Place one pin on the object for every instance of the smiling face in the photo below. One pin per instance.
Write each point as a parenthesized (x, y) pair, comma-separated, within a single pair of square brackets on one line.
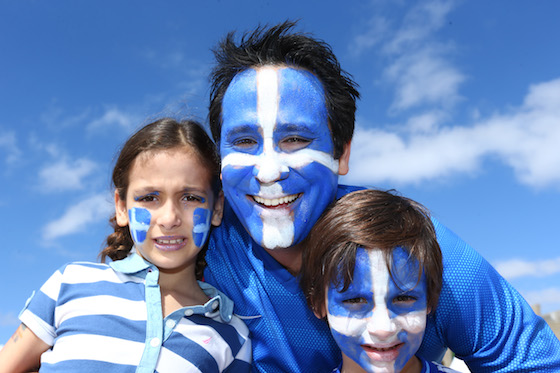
[(378, 325), (169, 207), (278, 170)]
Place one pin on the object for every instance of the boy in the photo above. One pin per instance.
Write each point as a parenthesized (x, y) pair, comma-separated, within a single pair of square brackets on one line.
[(373, 266)]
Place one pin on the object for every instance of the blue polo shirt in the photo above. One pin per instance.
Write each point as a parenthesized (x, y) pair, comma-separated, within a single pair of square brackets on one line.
[(98, 316), (480, 316)]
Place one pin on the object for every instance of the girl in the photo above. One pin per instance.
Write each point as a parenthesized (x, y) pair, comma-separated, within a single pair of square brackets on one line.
[(144, 311)]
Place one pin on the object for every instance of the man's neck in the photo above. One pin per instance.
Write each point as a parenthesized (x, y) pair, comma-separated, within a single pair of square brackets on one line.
[(289, 257)]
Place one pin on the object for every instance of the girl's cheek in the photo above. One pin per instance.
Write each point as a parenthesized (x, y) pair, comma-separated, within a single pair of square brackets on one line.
[(201, 225), (139, 223)]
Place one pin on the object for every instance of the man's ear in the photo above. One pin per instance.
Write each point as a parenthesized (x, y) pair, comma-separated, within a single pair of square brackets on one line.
[(344, 159), (218, 210), (120, 211)]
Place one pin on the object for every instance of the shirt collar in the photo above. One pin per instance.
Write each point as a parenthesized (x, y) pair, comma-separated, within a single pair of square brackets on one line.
[(133, 263)]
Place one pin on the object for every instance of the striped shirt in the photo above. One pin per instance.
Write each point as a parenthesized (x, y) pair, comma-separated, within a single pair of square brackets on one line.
[(101, 317)]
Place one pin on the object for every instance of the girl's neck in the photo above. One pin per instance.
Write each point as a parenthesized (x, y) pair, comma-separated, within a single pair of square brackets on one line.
[(179, 289)]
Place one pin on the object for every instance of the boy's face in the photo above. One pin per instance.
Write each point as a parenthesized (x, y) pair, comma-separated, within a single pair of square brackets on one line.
[(377, 322), (278, 170)]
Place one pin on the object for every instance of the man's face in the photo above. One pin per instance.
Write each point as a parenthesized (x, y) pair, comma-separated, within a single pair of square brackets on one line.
[(278, 170)]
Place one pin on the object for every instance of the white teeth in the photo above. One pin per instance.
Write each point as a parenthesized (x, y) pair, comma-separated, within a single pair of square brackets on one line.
[(170, 242), (275, 201)]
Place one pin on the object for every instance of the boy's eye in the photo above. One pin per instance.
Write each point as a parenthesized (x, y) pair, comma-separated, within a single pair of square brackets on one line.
[(358, 300), (404, 299)]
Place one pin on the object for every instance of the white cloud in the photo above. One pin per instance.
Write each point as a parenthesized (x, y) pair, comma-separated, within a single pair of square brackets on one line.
[(78, 217), (115, 117), (515, 268), (423, 77), (8, 143), (66, 175), (548, 298), (525, 139), (418, 69)]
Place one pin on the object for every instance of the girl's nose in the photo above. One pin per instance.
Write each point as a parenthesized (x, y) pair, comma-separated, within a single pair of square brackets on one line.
[(170, 216)]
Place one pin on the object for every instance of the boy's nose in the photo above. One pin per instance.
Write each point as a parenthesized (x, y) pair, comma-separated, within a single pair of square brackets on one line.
[(380, 325)]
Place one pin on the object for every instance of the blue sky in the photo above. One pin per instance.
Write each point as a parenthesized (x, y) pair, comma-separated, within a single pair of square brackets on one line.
[(460, 110)]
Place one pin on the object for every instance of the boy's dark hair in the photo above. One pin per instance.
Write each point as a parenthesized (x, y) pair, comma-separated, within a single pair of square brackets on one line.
[(163, 134), (371, 219), (278, 46)]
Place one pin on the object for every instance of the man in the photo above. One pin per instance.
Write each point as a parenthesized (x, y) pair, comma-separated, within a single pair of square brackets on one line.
[(282, 112)]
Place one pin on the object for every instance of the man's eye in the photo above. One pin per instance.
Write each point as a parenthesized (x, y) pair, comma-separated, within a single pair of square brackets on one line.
[(244, 143), (294, 143)]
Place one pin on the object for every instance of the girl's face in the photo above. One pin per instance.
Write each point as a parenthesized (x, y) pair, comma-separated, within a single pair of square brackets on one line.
[(379, 322), (169, 207)]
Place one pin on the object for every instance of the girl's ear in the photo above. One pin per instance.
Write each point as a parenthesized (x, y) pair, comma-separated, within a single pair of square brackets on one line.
[(218, 210), (120, 211)]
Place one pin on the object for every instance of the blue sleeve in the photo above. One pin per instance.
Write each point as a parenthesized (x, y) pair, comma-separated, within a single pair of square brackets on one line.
[(483, 319)]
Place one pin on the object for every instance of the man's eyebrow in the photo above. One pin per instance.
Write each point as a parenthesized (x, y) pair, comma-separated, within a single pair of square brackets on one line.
[(243, 128)]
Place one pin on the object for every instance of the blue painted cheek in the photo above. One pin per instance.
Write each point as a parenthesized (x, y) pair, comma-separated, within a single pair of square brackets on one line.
[(139, 223), (238, 182), (201, 225), (351, 347)]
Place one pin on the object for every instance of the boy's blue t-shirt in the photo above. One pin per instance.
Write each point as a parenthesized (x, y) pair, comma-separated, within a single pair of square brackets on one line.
[(480, 316)]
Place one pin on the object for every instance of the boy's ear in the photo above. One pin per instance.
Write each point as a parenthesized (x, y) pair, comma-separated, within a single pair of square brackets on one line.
[(120, 211), (344, 159), (218, 210)]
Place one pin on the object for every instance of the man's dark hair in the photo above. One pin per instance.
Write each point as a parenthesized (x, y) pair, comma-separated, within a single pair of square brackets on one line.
[(277, 45)]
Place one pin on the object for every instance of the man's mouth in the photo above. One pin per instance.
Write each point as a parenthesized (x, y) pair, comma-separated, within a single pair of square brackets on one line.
[(276, 202)]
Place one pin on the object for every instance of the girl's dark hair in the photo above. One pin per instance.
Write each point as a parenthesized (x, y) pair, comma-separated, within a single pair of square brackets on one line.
[(279, 45), (163, 134), (375, 220)]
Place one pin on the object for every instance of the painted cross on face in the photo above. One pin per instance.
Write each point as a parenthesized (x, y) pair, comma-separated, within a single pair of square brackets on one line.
[(379, 322), (278, 169)]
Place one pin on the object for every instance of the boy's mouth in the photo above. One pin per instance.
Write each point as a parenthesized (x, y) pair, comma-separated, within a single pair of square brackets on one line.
[(389, 353)]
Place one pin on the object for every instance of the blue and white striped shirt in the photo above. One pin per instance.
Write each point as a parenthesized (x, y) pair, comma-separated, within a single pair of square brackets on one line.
[(108, 317)]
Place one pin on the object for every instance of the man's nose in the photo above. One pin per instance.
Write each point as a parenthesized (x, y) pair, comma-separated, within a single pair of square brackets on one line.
[(271, 167)]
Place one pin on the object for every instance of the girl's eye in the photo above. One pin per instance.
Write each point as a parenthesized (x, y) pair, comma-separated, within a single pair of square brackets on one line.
[(146, 198), (193, 198)]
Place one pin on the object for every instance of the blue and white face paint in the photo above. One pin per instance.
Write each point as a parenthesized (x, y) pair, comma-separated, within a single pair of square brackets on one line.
[(139, 223), (377, 323), (278, 170), (201, 225)]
